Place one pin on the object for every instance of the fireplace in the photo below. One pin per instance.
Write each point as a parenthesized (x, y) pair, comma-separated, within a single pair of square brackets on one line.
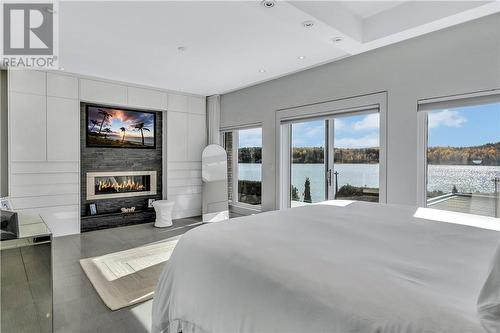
[(106, 185)]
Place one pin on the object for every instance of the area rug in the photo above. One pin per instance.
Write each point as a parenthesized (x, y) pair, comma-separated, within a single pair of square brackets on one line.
[(128, 277)]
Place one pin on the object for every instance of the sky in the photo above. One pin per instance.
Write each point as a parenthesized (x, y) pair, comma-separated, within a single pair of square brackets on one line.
[(250, 137), (122, 118), (361, 131), (458, 127), (466, 126)]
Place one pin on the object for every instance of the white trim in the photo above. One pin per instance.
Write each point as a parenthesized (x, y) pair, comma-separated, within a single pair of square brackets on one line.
[(422, 159), (240, 127), (284, 151), (475, 98), (234, 155), (91, 187), (325, 114), (327, 110), (330, 143)]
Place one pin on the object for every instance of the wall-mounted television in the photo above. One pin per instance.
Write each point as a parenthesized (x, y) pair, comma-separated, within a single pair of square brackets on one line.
[(111, 127)]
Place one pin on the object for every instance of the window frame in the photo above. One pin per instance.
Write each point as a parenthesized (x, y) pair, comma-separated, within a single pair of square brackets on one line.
[(326, 110), (240, 207), (424, 106)]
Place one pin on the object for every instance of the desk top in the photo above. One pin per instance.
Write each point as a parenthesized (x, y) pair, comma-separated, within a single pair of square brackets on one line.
[(30, 227)]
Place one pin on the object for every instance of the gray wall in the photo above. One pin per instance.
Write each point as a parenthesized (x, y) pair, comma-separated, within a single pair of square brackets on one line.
[(457, 60), (4, 188)]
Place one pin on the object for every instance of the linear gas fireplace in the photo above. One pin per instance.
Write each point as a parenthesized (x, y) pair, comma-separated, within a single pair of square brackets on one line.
[(106, 185)]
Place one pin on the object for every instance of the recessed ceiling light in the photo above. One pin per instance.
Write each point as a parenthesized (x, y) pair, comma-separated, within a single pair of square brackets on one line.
[(181, 48), (308, 24), (262, 70), (337, 39), (301, 57), (268, 3)]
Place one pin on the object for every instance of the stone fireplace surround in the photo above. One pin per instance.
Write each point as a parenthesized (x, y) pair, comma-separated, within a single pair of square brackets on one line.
[(122, 160)]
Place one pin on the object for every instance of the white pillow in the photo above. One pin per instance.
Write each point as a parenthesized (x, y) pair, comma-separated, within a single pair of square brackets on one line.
[(488, 304)]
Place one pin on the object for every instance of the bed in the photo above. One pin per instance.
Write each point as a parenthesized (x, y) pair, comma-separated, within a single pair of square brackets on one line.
[(331, 267)]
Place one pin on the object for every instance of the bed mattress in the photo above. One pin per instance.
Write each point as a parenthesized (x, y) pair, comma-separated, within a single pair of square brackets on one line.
[(324, 268)]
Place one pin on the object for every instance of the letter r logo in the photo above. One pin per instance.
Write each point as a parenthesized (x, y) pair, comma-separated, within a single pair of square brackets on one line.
[(28, 29)]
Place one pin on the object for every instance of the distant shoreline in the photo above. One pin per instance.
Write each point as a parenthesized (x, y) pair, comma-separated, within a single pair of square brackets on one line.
[(483, 155)]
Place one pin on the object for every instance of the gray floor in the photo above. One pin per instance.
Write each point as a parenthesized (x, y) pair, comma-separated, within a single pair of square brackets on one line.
[(77, 306), (25, 289)]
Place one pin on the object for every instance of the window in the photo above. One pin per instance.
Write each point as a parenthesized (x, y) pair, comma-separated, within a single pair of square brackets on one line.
[(244, 151), (356, 149), (462, 171), (334, 157), (307, 171)]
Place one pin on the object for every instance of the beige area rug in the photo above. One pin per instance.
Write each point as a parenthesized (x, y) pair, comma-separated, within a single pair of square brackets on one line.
[(128, 277)]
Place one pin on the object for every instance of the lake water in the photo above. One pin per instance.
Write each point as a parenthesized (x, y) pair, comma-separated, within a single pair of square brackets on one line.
[(467, 178)]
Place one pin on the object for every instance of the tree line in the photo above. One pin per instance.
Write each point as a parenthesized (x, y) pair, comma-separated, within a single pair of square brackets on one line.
[(250, 155), (487, 154), (314, 155), (311, 155)]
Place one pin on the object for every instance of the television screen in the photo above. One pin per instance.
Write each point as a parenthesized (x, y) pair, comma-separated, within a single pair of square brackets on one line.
[(120, 128)]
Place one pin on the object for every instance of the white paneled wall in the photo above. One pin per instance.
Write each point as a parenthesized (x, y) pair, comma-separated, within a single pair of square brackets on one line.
[(186, 138), (103, 92), (44, 149), (44, 142)]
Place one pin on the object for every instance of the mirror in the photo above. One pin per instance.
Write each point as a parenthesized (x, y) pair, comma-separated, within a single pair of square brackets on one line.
[(214, 177)]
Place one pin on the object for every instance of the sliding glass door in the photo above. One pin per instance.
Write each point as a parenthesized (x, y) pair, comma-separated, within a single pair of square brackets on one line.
[(334, 157)]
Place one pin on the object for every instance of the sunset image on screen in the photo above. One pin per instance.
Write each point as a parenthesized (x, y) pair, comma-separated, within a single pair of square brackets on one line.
[(108, 127)]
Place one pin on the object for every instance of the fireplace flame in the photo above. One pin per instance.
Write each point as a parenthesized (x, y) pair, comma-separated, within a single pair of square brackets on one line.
[(126, 185)]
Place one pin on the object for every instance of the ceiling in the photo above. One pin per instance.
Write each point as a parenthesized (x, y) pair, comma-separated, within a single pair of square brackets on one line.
[(364, 9), (211, 47)]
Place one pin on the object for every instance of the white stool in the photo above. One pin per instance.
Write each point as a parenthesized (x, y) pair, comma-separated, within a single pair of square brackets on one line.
[(163, 209)]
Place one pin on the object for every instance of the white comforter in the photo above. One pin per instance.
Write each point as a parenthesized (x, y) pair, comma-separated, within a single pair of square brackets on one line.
[(321, 268)]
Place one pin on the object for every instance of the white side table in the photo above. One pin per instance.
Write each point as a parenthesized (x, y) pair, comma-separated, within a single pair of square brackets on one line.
[(163, 209)]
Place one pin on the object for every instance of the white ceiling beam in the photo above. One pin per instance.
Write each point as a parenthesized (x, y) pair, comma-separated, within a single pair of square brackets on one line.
[(336, 21), (413, 14), (334, 15), (441, 23)]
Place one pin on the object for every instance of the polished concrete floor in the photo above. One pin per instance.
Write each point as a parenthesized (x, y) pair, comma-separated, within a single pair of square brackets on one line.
[(77, 306), (26, 289)]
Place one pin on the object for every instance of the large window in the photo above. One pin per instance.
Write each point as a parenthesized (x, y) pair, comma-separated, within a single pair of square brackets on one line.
[(334, 157), (463, 158), (244, 150)]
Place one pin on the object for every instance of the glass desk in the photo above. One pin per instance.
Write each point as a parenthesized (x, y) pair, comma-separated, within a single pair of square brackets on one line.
[(26, 278)]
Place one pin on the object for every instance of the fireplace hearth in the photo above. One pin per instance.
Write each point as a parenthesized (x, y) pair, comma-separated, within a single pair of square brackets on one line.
[(106, 185)]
